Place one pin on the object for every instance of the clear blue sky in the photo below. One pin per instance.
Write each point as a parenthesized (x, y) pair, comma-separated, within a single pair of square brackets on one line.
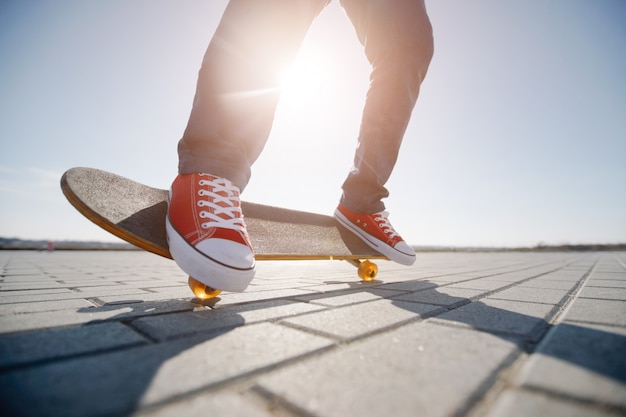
[(519, 135)]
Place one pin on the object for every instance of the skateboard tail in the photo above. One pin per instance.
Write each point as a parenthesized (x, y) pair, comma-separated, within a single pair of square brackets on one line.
[(71, 182)]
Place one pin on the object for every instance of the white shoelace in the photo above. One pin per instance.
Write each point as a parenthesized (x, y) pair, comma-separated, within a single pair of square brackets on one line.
[(223, 202), (383, 223)]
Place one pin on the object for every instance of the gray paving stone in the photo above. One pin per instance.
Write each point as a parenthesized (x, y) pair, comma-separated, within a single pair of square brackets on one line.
[(295, 283), (419, 369), (524, 404), (123, 278), (117, 383), (169, 326), (517, 318), (108, 290), (442, 296), (43, 320), (227, 298), (20, 279), (603, 293), (21, 308), (69, 295), (344, 298), (335, 286), (347, 323), (591, 311), (413, 285), (152, 283), (11, 296), (144, 296), (531, 295), (547, 283), (21, 286), (566, 275), (24, 348), (520, 275), (580, 361), (482, 284), (607, 283), (180, 288), (232, 404), (100, 282), (598, 274), (447, 279)]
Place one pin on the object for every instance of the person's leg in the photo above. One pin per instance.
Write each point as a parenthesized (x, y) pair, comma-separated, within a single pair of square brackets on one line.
[(398, 42), (233, 110), (239, 85)]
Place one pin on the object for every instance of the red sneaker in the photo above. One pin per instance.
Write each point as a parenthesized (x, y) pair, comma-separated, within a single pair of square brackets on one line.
[(207, 234), (376, 231)]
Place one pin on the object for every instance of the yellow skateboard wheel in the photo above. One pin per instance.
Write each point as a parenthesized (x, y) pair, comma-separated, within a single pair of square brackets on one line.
[(367, 271), (202, 291)]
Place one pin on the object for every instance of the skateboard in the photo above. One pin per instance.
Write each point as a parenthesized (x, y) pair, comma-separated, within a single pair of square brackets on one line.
[(136, 213)]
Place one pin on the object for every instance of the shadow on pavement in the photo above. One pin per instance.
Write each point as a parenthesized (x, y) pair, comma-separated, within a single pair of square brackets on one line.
[(108, 383), (115, 382)]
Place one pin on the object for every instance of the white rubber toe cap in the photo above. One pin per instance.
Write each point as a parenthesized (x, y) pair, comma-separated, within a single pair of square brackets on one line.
[(405, 254), (231, 254)]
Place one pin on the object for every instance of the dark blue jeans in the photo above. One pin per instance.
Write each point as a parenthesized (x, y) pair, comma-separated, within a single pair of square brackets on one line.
[(238, 87)]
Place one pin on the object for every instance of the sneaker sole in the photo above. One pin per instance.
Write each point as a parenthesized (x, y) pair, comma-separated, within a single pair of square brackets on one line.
[(205, 269), (376, 244)]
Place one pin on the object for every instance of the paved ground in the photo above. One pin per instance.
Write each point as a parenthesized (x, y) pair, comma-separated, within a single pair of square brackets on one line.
[(469, 334)]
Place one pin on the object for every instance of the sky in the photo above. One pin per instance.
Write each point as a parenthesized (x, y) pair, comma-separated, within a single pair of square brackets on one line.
[(518, 137)]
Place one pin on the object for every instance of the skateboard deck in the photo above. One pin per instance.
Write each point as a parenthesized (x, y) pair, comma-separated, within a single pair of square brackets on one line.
[(136, 213)]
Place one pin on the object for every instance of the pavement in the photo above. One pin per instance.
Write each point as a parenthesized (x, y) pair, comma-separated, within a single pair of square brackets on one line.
[(495, 334)]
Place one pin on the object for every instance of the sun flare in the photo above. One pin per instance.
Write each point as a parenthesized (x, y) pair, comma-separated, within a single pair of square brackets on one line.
[(302, 81)]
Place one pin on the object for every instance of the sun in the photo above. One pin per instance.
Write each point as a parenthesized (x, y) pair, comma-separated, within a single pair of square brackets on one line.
[(303, 80)]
